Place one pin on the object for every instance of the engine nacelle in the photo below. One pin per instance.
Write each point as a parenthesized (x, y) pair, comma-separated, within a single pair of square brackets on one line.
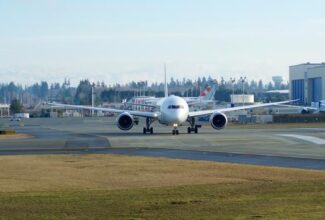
[(218, 120), (125, 121), (305, 111)]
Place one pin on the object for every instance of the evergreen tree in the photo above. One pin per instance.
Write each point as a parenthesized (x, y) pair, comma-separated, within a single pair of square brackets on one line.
[(83, 93), (16, 106), (44, 89), (260, 86)]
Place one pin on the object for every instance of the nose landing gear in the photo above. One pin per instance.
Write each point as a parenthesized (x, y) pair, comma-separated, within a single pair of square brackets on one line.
[(175, 130)]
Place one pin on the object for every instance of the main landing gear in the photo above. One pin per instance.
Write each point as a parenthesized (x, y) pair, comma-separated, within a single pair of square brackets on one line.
[(193, 127), (148, 129)]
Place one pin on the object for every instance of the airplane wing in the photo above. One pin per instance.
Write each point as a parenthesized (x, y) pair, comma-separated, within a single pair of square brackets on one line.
[(144, 105), (199, 102), (301, 107), (135, 113), (223, 110)]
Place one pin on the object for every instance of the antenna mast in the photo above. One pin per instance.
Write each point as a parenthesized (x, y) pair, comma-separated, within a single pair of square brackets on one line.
[(166, 88)]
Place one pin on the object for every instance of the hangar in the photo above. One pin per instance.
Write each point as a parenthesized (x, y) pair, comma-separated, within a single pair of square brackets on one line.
[(307, 82)]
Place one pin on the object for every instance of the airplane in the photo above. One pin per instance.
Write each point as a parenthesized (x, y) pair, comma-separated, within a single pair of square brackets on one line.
[(171, 111), (174, 111)]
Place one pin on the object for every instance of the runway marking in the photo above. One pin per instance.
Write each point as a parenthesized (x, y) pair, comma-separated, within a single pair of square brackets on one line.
[(311, 139), (312, 129)]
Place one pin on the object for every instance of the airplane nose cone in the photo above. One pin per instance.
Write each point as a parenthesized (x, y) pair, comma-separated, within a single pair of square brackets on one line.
[(178, 117)]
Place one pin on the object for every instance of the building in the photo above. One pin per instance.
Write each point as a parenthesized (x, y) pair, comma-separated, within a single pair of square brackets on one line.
[(242, 99), (4, 110), (277, 80), (307, 82)]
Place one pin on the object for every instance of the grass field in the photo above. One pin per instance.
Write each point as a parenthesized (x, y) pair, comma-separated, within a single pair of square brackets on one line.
[(121, 187)]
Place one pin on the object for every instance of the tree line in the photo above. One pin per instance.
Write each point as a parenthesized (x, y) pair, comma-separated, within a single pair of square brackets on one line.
[(31, 95)]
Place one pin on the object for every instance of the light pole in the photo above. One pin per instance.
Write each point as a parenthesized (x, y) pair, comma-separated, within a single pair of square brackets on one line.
[(242, 79), (92, 98), (233, 80)]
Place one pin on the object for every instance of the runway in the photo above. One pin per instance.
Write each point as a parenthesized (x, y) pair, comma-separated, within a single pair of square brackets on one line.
[(294, 147)]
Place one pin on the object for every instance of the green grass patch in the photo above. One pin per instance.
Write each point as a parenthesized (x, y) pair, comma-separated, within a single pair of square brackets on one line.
[(258, 200)]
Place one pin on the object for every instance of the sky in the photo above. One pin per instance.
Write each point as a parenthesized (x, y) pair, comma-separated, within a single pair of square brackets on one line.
[(119, 41)]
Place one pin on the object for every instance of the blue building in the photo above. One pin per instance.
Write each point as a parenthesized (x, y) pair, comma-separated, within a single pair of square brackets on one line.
[(307, 82)]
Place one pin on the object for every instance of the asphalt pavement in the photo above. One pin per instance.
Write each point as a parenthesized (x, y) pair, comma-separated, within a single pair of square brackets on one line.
[(294, 147)]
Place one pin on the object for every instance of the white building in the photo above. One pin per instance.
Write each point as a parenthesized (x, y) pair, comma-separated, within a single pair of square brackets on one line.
[(242, 99), (307, 82), (4, 110)]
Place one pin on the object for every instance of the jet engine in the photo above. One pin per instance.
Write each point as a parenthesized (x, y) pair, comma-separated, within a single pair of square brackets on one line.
[(125, 121), (218, 120), (304, 111)]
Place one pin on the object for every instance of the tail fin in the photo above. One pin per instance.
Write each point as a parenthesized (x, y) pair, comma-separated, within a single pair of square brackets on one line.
[(166, 87), (205, 92), (209, 92)]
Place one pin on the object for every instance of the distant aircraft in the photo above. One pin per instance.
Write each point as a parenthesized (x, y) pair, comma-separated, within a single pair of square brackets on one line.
[(303, 109), (171, 111), (206, 96)]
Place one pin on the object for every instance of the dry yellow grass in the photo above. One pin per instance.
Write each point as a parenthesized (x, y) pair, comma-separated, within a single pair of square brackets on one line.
[(109, 172), (122, 187), (14, 136)]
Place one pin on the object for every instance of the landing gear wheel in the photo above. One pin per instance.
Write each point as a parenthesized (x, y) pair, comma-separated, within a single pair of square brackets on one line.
[(148, 129), (177, 132), (193, 127), (173, 132)]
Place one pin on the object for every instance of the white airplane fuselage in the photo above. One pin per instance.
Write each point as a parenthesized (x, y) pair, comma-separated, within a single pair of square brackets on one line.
[(174, 111)]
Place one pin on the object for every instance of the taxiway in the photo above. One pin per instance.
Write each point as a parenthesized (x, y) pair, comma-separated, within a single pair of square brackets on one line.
[(286, 147)]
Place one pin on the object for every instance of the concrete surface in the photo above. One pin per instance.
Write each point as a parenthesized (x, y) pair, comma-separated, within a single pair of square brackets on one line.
[(294, 147)]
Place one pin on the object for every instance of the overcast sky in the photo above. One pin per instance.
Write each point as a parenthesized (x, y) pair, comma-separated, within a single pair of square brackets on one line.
[(118, 41)]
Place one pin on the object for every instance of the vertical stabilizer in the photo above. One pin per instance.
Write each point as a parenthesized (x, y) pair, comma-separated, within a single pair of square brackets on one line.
[(211, 92), (166, 88)]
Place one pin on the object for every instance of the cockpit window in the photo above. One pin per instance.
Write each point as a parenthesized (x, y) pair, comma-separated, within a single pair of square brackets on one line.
[(175, 107)]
